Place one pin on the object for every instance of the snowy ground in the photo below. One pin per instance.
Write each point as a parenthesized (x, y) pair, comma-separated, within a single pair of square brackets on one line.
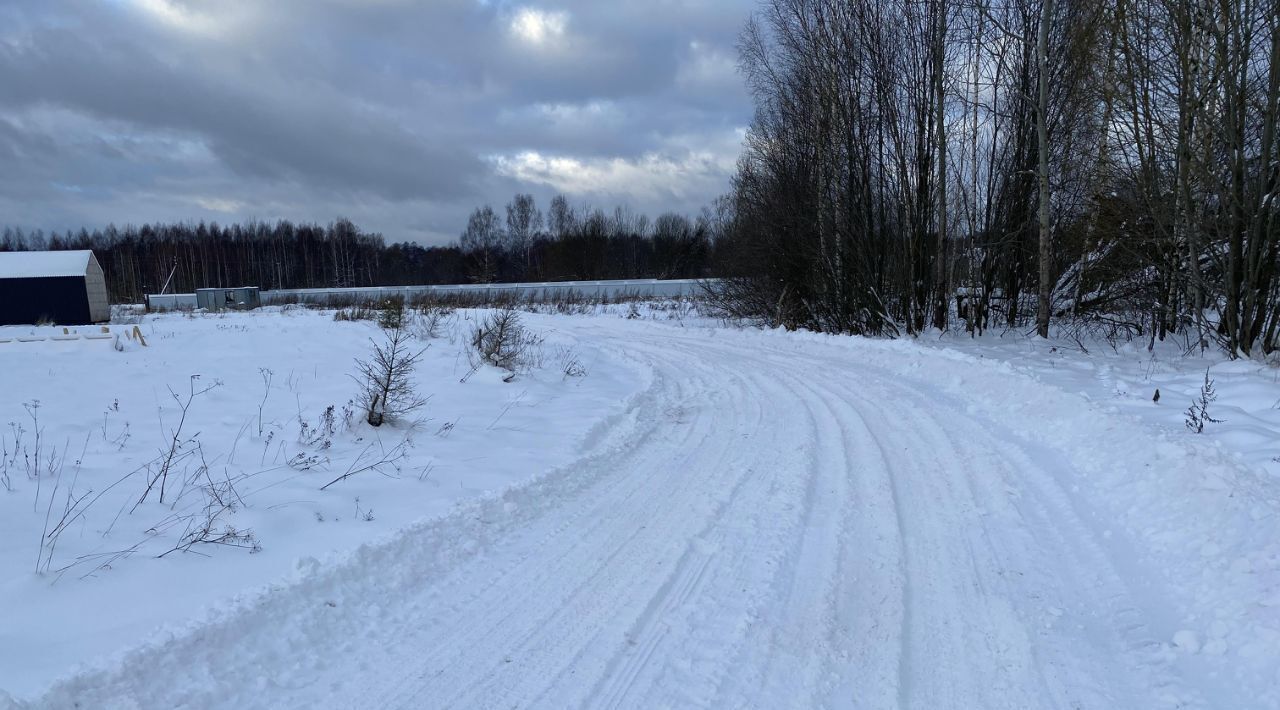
[(710, 518), (1124, 377), (110, 415)]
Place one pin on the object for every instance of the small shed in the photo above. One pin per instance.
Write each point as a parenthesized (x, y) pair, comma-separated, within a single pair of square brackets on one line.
[(61, 287), (238, 298)]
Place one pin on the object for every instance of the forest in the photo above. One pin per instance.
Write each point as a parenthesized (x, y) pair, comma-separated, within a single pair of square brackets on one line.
[(569, 244), (1106, 166)]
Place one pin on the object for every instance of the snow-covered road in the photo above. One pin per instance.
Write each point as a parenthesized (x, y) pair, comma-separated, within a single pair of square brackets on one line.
[(768, 525)]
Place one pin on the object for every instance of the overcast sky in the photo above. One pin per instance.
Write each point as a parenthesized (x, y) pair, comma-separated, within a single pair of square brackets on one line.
[(399, 114)]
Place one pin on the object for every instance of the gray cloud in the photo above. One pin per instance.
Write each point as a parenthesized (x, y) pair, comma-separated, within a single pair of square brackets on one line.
[(402, 115)]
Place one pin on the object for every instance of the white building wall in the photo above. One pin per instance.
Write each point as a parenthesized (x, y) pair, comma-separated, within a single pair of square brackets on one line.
[(96, 285)]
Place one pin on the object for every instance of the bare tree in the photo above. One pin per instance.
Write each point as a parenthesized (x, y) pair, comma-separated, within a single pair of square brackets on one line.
[(560, 219), (483, 239), (524, 221)]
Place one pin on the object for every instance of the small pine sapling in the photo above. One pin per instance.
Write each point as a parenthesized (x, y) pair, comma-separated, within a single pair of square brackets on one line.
[(386, 378), (501, 340), (391, 316)]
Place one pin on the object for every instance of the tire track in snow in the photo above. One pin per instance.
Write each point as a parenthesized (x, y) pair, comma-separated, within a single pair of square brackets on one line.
[(764, 584), (606, 592), (1050, 671), (1095, 576), (795, 664), (744, 554), (538, 577), (782, 527)]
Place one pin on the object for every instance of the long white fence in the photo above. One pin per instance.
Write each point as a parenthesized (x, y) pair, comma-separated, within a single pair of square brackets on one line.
[(170, 301), (543, 291)]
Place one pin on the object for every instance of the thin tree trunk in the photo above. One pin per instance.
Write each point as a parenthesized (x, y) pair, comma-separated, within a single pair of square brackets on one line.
[(940, 252), (1042, 172)]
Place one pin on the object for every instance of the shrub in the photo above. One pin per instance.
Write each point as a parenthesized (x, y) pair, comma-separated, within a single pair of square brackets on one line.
[(353, 313), (1197, 414), (432, 320), (502, 340), (570, 363)]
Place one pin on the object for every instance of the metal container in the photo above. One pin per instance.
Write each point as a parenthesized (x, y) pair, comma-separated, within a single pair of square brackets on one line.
[(239, 298)]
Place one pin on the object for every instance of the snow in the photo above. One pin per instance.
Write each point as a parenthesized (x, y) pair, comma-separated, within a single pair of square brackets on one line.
[(43, 264), (1126, 376), (1187, 640), (109, 405), (712, 517)]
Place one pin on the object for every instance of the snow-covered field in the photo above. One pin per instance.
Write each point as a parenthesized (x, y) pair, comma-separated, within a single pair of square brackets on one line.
[(107, 419), (710, 517)]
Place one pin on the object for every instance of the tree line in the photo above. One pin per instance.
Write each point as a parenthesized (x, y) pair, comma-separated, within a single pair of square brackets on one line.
[(569, 244), (1103, 164), (1090, 165), (524, 244)]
